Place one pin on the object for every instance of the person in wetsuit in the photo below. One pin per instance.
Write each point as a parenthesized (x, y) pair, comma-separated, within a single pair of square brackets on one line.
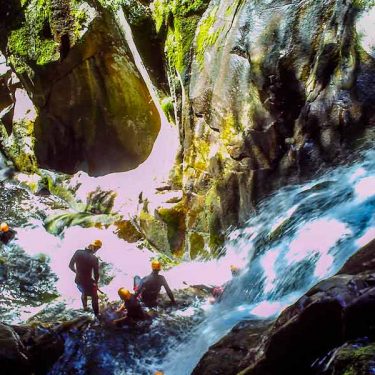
[(86, 266), (132, 306), (149, 287), (6, 234)]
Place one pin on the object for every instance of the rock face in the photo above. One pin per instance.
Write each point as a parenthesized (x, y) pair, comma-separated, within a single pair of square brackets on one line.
[(34, 349), (12, 353), (273, 90), (95, 111), (17, 119), (336, 317)]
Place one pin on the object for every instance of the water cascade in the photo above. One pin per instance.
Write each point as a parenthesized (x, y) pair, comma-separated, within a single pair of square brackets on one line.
[(300, 236)]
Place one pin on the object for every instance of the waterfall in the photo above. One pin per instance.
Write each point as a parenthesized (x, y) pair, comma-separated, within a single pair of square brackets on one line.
[(301, 235)]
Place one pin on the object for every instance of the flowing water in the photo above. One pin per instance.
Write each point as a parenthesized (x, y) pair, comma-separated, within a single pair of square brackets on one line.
[(300, 236)]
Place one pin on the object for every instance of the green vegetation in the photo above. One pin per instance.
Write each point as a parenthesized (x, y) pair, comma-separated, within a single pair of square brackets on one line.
[(33, 41), (179, 19), (37, 38), (168, 108), (355, 360), (112, 4), (207, 35), (363, 4)]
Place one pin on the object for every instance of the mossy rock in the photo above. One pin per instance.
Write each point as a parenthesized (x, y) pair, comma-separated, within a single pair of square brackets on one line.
[(176, 227), (197, 245), (155, 231), (127, 231), (57, 223), (354, 360)]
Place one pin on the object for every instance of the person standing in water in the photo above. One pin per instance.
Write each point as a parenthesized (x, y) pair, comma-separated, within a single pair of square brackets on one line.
[(85, 265), (149, 287)]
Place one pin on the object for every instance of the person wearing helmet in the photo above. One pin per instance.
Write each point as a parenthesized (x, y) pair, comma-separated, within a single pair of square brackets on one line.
[(218, 291), (85, 265), (132, 306), (235, 271), (150, 286), (6, 234)]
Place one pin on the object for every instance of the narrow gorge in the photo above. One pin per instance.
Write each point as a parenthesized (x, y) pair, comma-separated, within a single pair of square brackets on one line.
[(206, 134)]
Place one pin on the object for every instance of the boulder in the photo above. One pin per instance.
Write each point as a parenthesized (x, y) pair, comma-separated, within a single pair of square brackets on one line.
[(95, 112), (13, 354)]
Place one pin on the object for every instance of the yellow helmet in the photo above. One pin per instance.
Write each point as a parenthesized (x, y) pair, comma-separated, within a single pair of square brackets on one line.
[(4, 227), (97, 244), (155, 265), (124, 293), (234, 269)]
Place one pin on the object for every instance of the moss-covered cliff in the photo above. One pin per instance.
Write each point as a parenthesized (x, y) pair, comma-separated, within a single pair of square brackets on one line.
[(274, 91)]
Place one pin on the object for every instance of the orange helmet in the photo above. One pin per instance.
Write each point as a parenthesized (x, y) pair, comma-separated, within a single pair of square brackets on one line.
[(97, 244), (124, 293), (155, 265), (4, 227), (159, 373)]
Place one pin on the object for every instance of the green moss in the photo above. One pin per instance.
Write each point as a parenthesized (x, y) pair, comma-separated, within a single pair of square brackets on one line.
[(180, 19), (31, 41), (112, 4), (168, 108), (57, 223), (197, 244), (206, 35), (352, 360), (363, 4), (231, 8), (176, 227)]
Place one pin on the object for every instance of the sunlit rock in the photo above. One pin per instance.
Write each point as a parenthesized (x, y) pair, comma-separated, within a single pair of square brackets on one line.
[(273, 91)]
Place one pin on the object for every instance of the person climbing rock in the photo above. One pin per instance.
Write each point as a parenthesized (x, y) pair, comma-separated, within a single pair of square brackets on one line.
[(134, 311), (6, 234), (218, 291), (86, 267), (149, 287), (235, 271)]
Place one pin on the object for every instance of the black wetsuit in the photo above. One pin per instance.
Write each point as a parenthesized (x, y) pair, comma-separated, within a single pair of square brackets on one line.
[(5, 237), (85, 264), (150, 286), (134, 309)]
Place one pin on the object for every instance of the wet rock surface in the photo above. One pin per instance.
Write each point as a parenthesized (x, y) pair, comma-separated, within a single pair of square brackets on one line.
[(34, 349), (275, 91), (331, 316)]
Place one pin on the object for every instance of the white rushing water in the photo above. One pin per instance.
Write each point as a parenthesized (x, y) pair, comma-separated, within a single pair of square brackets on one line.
[(301, 235)]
